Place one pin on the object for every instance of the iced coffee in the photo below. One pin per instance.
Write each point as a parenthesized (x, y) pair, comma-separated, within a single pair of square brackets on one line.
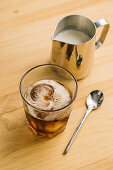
[(47, 104)]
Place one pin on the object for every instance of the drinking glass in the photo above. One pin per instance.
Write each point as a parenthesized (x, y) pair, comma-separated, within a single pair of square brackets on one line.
[(57, 118)]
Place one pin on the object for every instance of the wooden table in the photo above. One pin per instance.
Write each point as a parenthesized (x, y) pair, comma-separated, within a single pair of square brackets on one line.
[(26, 27)]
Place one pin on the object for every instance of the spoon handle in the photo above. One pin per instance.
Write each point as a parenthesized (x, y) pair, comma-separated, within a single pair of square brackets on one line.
[(76, 131)]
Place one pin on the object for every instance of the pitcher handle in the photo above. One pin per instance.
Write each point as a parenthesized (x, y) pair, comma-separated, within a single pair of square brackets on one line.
[(101, 22)]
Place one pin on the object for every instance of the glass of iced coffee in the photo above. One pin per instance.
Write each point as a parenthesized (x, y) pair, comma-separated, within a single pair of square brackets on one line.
[(48, 92)]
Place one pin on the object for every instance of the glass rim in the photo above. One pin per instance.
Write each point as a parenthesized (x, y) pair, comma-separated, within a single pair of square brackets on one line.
[(20, 87)]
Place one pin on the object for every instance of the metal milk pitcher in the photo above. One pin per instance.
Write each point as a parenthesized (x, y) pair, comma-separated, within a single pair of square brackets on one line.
[(77, 57)]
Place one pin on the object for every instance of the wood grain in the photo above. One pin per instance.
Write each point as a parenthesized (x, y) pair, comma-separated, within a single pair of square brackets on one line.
[(26, 27)]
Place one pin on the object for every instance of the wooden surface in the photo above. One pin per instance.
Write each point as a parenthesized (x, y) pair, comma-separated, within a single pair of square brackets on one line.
[(26, 27)]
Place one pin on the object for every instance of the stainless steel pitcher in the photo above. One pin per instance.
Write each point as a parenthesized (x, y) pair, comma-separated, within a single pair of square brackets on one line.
[(77, 58)]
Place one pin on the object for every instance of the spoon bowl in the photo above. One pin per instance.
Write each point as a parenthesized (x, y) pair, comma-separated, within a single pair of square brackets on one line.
[(95, 99)]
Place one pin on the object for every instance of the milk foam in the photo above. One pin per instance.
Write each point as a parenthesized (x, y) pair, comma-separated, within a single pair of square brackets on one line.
[(72, 37), (60, 96)]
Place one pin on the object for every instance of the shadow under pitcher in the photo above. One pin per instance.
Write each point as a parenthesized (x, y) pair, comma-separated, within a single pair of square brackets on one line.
[(74, 43)]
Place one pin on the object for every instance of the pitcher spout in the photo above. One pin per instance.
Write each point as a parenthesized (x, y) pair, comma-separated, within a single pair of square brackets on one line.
[(62, 25)]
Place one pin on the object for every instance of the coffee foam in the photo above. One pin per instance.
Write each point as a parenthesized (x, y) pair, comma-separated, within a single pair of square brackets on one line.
[(58, 98)]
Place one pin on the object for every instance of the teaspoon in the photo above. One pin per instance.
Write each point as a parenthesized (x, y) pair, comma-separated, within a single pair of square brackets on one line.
[(94, 100)]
